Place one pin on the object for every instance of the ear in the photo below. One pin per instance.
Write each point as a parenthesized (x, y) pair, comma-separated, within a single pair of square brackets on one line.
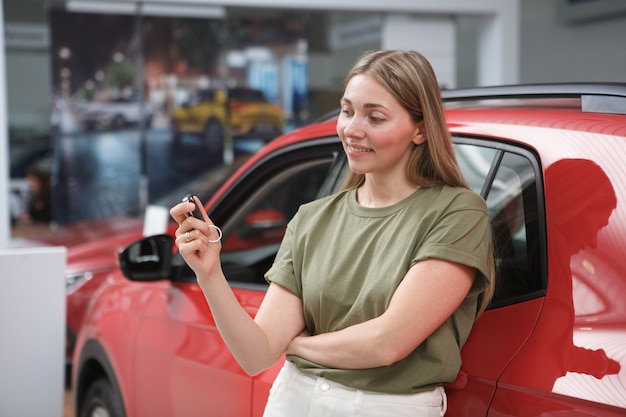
[(419, 136)]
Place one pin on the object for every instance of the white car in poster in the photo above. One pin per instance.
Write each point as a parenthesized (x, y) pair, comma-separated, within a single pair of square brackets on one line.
[(116, 114)]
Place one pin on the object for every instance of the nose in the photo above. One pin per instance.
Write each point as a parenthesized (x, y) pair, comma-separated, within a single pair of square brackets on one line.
[(352, 127)]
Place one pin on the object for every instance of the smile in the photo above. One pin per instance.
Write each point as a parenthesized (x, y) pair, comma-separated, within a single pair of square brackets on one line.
[(354, 149)]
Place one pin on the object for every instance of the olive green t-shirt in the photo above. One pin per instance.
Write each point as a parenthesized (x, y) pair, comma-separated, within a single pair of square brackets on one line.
[(345, 261)]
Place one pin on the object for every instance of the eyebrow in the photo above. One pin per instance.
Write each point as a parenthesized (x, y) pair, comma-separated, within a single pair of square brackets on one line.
[(367, 105)]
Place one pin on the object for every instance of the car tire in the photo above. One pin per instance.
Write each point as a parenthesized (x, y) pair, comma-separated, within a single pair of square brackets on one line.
[(101, 400), (118, 122), (214, 138)]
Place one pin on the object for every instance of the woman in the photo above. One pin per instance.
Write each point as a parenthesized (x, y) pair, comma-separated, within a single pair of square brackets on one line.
[(374, 289)]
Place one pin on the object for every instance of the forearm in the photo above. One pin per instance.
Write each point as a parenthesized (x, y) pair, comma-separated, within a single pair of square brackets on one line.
[(255, 343), (364, 345), (245, 339), (428, 295)]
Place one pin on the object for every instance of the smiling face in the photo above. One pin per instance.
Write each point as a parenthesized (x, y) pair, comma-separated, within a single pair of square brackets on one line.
[(376, 131)]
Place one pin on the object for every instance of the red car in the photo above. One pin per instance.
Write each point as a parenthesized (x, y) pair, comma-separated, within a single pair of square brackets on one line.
[(549, 162)]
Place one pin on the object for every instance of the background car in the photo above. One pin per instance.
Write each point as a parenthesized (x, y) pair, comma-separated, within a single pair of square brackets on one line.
[(116, 113), (240, 111), (547, 160)]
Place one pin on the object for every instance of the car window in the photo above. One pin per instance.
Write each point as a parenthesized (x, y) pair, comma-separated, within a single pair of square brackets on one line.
[(513, 207), (508, 180), (475, 163), (254, 232), (204, 185), (246, 94), (254, 212)]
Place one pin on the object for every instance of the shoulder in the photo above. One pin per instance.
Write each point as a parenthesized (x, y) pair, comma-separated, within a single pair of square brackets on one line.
[(458, 198), (325, 203), (313, 211)]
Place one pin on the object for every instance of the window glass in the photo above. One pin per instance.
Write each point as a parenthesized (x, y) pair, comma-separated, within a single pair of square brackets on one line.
[(254, 232), (475, 162), (512, 203)]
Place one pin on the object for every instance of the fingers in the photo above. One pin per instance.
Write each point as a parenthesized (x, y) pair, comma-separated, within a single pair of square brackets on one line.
[(193, 232), (178, 212), (201, 207)]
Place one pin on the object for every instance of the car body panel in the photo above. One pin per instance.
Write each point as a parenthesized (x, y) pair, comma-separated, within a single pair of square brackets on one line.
[(586, 373), (183, 339)]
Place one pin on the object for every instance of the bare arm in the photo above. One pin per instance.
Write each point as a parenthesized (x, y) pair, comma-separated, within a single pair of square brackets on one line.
[(427, 296), (255, 343)]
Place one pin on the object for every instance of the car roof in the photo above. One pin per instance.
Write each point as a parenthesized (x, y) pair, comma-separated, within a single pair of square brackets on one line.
[(590, 107)]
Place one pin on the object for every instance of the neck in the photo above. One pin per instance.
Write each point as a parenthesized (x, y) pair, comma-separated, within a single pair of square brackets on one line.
[(375, 195)]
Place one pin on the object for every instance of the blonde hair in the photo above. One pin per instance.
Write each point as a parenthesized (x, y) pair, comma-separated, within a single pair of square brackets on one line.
[(409, 77)]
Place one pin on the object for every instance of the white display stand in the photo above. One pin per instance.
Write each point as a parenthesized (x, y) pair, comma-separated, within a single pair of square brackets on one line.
[(32, 324)]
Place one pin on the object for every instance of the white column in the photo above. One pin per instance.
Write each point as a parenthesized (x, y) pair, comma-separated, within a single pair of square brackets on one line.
[(433, 37), (5, 217), (32, 319), (498, 48)]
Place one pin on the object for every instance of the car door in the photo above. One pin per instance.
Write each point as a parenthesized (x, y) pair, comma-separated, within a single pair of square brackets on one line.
[(507, 177), (179, 333), (573, 363)]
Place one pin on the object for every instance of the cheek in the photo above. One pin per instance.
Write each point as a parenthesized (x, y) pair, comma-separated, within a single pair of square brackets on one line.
[(341, 126), (392, 138)]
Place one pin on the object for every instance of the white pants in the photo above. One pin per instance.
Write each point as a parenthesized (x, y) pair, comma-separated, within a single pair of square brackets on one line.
[(296, 394)]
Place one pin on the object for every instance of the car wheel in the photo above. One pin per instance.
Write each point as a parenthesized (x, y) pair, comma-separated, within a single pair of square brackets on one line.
[(118, 122), (214, 138), (101, 400)]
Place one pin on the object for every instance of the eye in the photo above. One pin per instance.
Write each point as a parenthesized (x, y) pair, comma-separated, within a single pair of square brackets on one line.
[(346, 112), (377, 117)]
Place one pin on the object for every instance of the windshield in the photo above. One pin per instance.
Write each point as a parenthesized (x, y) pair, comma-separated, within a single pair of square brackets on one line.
[(204, 186)]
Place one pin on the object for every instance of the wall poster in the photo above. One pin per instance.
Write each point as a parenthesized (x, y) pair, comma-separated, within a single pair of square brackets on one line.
[(165, 99)]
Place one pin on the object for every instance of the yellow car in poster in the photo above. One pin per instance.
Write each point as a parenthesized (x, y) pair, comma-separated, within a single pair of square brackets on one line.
[(241, 111)]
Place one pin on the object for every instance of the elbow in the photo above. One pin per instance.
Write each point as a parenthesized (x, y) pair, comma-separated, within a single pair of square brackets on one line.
[(252, 369), (255, 367), (391, 351), (390, 356)]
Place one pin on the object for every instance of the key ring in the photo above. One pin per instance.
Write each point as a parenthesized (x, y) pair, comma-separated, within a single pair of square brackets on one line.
[(219, 232)]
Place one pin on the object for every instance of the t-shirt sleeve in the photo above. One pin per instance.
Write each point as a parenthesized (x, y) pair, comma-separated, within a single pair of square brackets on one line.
[(282, 271), (462, 235)]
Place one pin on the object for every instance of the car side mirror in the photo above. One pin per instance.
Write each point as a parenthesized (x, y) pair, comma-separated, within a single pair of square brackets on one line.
[(148, 259)]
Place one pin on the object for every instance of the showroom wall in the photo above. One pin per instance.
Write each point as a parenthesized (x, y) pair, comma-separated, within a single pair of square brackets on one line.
[(553, 49)]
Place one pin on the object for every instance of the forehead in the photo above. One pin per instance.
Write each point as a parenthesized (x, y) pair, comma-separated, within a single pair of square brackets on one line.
[(364, 90)]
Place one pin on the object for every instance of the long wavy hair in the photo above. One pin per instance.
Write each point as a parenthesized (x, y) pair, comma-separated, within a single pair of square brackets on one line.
[(409, 77)]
